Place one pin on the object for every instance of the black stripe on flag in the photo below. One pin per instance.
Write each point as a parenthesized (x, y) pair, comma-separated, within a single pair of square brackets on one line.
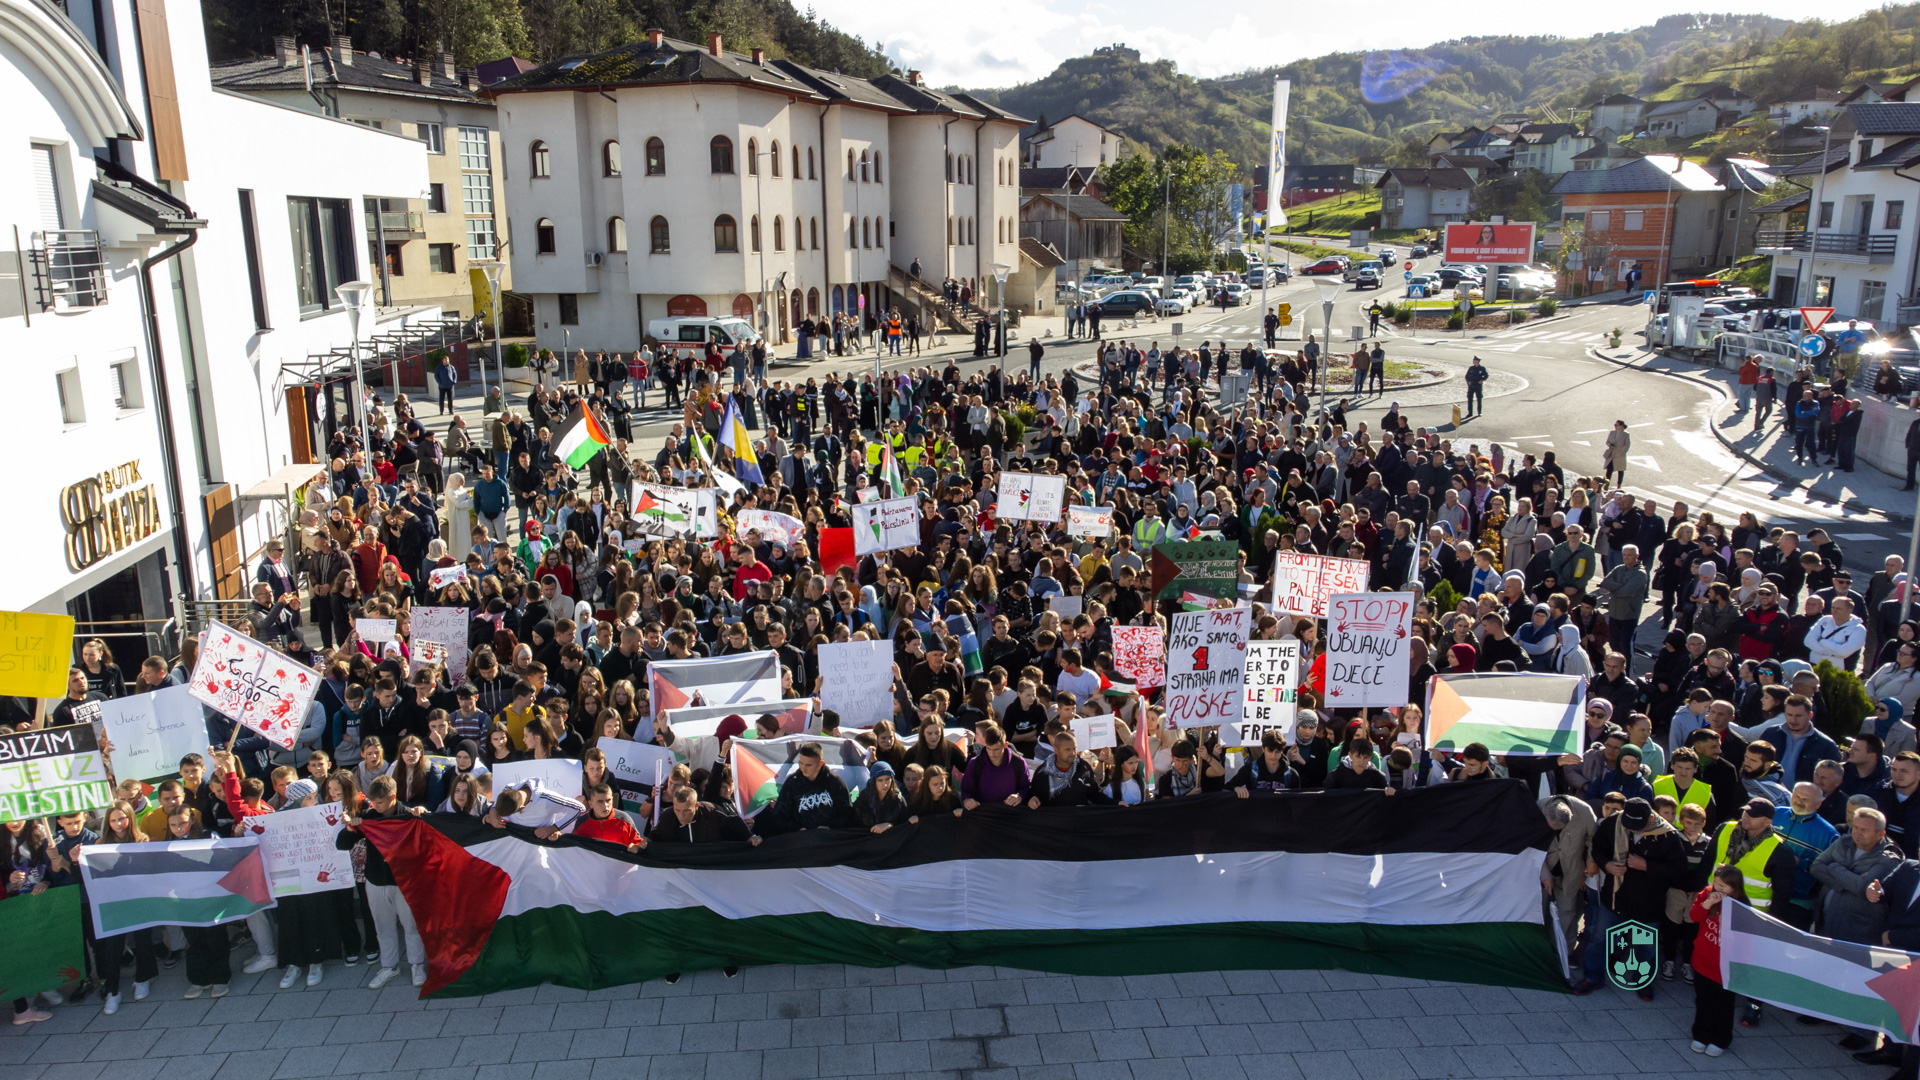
[(1493, 816), (131, 861)]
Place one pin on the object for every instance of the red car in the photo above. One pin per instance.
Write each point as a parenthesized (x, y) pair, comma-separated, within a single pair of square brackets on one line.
[(1324, 266)]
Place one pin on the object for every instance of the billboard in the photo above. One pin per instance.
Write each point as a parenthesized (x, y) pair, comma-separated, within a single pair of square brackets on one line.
[(1480, 242)]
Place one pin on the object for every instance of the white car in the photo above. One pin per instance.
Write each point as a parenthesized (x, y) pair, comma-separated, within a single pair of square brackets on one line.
[(1236, 292), (1173, 305)]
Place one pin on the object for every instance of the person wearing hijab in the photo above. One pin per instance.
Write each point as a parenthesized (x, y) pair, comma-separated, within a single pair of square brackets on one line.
[(1749, 592), (1898, 678), (1896, 733), (1571, 659), (870, 603), (1599, 719), (1539, 639), (1462, 657)]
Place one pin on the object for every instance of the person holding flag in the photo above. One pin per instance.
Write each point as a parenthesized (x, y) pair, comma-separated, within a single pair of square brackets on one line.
[(735, 437)]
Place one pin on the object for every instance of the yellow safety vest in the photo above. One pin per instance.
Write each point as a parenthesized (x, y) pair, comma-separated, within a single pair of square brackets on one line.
[(1146, 533), (1753, 865), (1700, 794)]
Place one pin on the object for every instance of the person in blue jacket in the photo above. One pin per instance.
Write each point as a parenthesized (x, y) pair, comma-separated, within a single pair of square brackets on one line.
[(1624, 778), (1806, 420)]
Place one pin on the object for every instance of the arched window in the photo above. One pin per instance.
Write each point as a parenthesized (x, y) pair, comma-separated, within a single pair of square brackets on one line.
[(796, 161), (753, 230), (853, 233), (753, 157), (813, 233), (779, 234), (949, 230), (813, 303), (796, 164), (726, 234), (662, 243), (616, 234), (852, 173), (972, 237), (656, 157), (971, 178), (543, 236), (878, 177), (720, 155), (866, 233), (542, 161), (865, 175), (799, 236), (880, 233), (610, 159), (949, 168), (773, 157)]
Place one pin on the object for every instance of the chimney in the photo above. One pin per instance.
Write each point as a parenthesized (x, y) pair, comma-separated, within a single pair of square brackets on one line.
[(470, 79), (913, 76), (343, 50), (286, 50), (654, 37), (759, 56), (446, 66), (423, 72), (713, 43)]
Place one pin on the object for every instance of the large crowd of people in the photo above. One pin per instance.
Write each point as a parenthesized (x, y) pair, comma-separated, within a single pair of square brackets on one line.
[(1713, 764)]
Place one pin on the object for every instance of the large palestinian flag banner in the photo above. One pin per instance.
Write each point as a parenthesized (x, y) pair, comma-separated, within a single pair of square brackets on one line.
[(1528, 713), (659, 510), (1862, 986), (741, 679), (1439, 883)]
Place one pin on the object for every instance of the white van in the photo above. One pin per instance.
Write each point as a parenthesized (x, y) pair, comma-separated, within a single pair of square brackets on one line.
[(691, 333)]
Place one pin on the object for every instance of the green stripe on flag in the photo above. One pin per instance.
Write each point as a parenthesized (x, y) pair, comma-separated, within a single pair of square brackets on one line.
[(1507, 739), (1790, 991), (763, 796), (119, 915), (44, 949)]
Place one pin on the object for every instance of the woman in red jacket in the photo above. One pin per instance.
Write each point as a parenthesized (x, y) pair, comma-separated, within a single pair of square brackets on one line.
[(1712, 1002)]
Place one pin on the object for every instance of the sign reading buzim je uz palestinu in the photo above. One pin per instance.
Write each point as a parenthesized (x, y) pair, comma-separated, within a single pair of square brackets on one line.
[(52, 771)]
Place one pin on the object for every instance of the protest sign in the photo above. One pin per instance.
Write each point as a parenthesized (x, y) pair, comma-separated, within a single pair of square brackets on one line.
[(377, 629), (225, 655), (856, 681), (1206, 667), (1094, 732), (636, 768), (1302, 583), (1273, 677), (35, 653), (562, 776), (774, 528), (1030, 497), (1367, 636), (1196, 568), (300, 852), (425, 654), (632, 547), (1139, 653), (262, 689), (448, 626), (694, 727), (1065, 606), (445, 576), (1089, 521), (887, 525), (150, 733), (52, 771), (659, 510)]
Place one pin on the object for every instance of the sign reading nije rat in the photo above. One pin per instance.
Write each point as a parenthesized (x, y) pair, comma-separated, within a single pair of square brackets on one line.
[(1206, 667)]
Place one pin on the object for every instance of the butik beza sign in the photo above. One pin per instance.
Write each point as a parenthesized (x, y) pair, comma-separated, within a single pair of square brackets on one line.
[(106, 513)]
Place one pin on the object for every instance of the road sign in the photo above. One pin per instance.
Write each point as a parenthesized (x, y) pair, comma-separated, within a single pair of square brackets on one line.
[(1812, 346), (1815, 317), (1406, 275), (1286, 320)]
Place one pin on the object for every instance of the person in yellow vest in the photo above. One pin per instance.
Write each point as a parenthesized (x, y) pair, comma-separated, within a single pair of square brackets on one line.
[(1683, 784), (1749, 844), (1148, 531)]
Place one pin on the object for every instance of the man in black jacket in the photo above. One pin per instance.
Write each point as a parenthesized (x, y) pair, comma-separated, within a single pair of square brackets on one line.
[(1721, 776), (1066, 779), (810, 798), (1639, 856), (1615, 685), (695, 822)]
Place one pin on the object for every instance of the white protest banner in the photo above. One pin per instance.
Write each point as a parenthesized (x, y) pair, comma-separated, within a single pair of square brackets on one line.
[(1030, 497), (1089, 521), (1273, 678), (632, 547), (1065, 606), (445, 576), (1367, 636), (52, 771), (1302, 583), (377, 629), (856, 681), (887, 525), (150, 733), (635, 767), (448, 626), (262, 689), (773, 527), (225, 653), (1139, 653), (869, 494), (562, 776), (298, 845), (1094, 732), (426, 653), (659, 510), (1206, 667)]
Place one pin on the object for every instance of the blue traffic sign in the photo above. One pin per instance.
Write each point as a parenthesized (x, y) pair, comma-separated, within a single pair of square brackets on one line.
[(1649, 297), (1812, 346), (1406, 275)]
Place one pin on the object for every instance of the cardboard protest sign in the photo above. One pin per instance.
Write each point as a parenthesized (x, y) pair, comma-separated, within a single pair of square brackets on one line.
[(226, 657), (448, 626), (887, 525), (1367, 636), (377, 629), (150, 733), (659, 510), (636, 768), (1030, 497), (1089, 521), (1065, 606), (1273, 678), (773, 527), (52, 771), (1302, 583), (262, 689), (1094, 732), (299, 848), (426, 654), (562, 776), (35, 652), (1206, 667), (1139, 653), (1196, 568), (445, 576), (856, 681)]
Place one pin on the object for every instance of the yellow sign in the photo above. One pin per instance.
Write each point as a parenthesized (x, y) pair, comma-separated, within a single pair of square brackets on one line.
[(107, 513), (35, 653), (482, 294)]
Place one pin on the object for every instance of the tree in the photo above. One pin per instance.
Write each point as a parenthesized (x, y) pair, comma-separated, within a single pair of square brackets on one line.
[(1179, 195)]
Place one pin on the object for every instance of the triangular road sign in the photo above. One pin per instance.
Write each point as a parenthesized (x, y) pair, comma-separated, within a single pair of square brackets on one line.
[(1815, 317)]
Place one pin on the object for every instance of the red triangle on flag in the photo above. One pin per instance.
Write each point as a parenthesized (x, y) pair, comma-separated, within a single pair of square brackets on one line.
[(456, 897), (836, 549), (666, 695), (646, 503), (249, 880)]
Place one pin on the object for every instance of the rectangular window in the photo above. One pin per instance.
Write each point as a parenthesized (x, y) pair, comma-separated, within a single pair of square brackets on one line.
[(73, 410), (1826, 215), (434, 136), (1873, 299), (436, 198), (395, 265), (440, 258), (480, 239), (324, 255), (476, 193), (1822, 291), (1896, 213), (126, 385), (476, 149), (256, 276), (1633, 220), (1598, 220), (569, 309)]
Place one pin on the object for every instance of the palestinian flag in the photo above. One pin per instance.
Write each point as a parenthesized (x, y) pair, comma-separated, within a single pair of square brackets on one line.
[(696, 739), (760, 766), (890, 471), (1203, 567), (1531, 714), (970, 658), (1437, 883), (741, 679), (44, 947), (581, 438), (1864, 986), (175, 883)]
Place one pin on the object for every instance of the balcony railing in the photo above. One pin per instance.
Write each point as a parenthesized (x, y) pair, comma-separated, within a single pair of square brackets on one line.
[(69, 269), (1872, 247)]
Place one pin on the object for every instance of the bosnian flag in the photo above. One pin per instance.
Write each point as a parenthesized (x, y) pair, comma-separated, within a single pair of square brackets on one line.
[(735, 437), (1439, 883), (174, 883), (742, 679), (581, 438)]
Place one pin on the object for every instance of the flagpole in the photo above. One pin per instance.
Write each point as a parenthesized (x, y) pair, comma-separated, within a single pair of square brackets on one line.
[(1276, 172)]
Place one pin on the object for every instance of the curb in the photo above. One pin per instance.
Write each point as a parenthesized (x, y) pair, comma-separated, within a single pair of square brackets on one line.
[(1092, 372), (1796, 483)]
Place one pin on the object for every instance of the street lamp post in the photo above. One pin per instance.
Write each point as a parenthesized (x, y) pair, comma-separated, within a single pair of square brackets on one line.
[(352, 295), (1329, 289), (1813, 220), (493, 269), (1000, 272)]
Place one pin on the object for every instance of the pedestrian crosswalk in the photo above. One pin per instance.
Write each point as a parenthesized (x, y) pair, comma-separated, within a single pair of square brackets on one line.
[(1769, 505)]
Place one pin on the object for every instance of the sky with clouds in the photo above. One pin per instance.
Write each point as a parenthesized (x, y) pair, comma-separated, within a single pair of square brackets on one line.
[(997, 43)]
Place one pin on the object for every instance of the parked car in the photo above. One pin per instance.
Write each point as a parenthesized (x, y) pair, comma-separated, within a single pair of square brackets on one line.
[(1281, 271), (1333, 264), (1451, 276), (1173, 305), (1187, 281), (1124, 302), (1237, 292)]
